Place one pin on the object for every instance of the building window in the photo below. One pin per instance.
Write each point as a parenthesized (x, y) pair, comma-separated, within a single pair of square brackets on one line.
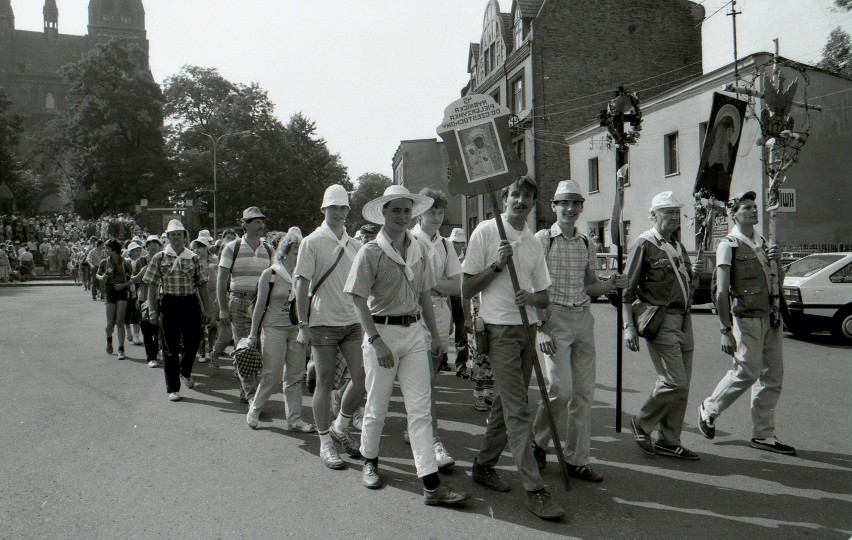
[(518, 101), (670, 149), (471, 225), (518, 29), (49, 102), (594, 180)]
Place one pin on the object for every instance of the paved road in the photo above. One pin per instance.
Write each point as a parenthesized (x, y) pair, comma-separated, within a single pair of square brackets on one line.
[(91, 448)]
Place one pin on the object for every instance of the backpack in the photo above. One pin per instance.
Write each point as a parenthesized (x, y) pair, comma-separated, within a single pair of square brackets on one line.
[(551, 238)]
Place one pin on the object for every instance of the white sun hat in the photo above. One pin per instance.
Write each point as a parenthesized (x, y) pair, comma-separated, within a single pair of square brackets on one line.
[(568, 190), (458, 236), (373, 210), (175, 226), (666, 199), (335, 195)]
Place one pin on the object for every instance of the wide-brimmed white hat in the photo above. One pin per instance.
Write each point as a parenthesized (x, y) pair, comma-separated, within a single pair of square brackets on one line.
[(174, 226), (373, 210), (568, 190), (335, 195), (153, 238), (458, 236), (666, 199), (203, 240)]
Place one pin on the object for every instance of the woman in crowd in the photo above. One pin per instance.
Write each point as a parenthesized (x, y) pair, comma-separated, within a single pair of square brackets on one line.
[(149, 331), (114, 273), (131, 314), (283, 357)]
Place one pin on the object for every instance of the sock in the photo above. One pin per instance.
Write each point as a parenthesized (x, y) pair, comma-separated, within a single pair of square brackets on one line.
[(431, 482), (343, 421), (374, 461), (704, 415), (325, 438)]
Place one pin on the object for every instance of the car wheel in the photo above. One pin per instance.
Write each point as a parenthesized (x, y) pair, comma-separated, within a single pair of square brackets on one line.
[(841, 324), (797, 326)]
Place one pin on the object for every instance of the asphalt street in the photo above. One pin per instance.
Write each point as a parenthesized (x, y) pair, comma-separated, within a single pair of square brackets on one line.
[(92, 448)]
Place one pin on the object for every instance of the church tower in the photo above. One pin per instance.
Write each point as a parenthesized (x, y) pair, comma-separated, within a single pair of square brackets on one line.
[(51, 19), (7, 17), (110, 19)]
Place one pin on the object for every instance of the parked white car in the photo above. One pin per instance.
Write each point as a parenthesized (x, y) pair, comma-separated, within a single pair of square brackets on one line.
[(818, 291)]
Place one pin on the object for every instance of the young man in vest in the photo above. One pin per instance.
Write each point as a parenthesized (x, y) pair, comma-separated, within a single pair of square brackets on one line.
[(510, 419), (391, 283), (447, 272), (327, 322), (754, 342), (566, 333), (242, 272)]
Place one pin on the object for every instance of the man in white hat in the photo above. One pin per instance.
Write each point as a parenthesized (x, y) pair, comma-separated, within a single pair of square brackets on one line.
[(328, 323), (510, 419), (566, 333), (240, 265), (180, 275), (390, 284), (659, 274), (743, 304), (447, 272), (460, 310), (149, 331)]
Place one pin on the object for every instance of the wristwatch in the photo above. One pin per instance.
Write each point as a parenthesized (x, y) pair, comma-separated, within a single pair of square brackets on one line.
[(725, 331), (496, 268), (371, 339), (626, 325)]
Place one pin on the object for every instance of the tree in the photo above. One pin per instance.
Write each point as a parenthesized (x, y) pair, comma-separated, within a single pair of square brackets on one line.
[(844, 4), (370, 186), (113, 135), (10, 129), (837, 53), (283, 169)]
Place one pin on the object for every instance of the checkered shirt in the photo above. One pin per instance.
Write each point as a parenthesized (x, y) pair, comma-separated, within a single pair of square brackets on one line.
[(183, 281), (568, 260)]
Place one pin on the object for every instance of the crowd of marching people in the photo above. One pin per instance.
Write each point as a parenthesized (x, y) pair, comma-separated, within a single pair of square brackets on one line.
[(389, 303)]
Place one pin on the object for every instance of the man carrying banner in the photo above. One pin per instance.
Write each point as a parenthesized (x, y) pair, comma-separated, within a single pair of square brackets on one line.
[(659, 276), (566, 333), (742, 273), (510, 420)]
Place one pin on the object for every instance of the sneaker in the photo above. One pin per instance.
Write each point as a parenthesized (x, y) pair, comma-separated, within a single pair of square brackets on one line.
[(152, 363), (202, 359), (405, 437), (540, 456), (443, 457), (489, 397), (174, 396), (121, 355), (461, 371), (346, 441), (643, 440), (674, 450), (136, 341), (488, 477), (109, 346), (329, 456), (370, 475), (772, 444), (584, 472), (707, 427), (479, 402), (358, 420), (301, 426), (540, 504), (189, 382), (214, 363), (252, 417), (444, 495)]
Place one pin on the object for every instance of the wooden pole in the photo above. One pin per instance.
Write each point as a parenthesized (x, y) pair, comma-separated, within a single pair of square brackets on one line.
[(530, 342), (619, 326)]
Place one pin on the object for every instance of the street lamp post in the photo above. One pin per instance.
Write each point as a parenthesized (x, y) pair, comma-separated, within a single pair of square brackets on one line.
[(216, 141)]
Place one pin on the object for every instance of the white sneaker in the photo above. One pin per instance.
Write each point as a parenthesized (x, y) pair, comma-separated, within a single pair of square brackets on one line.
[(152, 363), (442, 457), (121, 355), (174, 396), (202, 359), (187, 381), (301, 426), (252, 417)]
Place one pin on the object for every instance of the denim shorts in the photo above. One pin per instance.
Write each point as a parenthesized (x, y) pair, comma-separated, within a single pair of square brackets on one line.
[(332, 336)]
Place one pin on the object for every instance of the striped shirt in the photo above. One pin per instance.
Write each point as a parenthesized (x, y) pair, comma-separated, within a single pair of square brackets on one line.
[(248, 267), (177, 280), (569, 258)]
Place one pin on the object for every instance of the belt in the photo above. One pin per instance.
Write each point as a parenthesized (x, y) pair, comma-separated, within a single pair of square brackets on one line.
[(243, 293), (570, 308), (399, 320)]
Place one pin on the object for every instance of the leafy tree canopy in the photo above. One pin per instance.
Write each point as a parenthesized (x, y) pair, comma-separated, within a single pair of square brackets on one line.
[(370, 186), (10, 129), (837, 53)]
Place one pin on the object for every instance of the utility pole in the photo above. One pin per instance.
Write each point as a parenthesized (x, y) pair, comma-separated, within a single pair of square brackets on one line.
[(733, 15)]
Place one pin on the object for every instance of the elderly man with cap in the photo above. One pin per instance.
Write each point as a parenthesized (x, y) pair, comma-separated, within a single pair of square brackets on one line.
[(368, 232), (659, 276), (328, 323), (180, 274), (149, 330), (240, 265), (566, 333), (390, 284), (459, 309), (510, 419), (743, 302)]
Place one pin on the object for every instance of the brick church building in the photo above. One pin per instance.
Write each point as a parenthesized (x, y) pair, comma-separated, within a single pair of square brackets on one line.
[(31, 62)]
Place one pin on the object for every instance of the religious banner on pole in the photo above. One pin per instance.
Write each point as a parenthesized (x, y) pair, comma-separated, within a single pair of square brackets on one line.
[(476, 136), (719, 153)]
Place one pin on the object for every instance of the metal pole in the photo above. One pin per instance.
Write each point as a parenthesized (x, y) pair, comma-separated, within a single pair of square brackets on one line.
[(215, 187), (530, 342), (619, 329)]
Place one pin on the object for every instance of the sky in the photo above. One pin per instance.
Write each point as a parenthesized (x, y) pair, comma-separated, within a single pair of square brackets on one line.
[(371, 73)]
